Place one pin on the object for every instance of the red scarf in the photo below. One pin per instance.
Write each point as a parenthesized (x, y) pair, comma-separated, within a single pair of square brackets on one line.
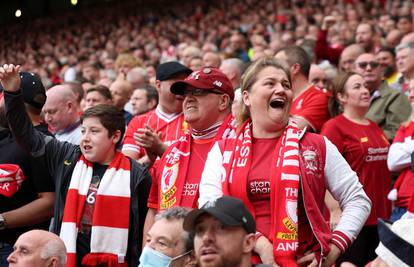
[(176, 165), (284, 187), (110, 222)]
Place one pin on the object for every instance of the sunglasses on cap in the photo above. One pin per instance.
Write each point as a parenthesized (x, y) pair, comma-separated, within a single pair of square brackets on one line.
[(200, 92), (364, 65)]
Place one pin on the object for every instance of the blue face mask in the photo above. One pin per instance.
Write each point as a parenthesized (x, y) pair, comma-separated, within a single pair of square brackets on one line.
[(152, 258)]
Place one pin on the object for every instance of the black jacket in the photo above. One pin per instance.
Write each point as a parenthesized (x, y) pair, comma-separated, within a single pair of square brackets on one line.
[(61, 158)]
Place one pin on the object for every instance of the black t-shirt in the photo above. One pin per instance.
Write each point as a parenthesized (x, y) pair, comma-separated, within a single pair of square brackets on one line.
[(84, 235), (37, 180)]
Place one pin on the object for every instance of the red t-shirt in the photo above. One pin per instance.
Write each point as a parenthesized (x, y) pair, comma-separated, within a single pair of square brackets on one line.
[(312, 105), (198, 156), (171, 128), (258, 181), (365, 148), (406, 188), (259, 189)]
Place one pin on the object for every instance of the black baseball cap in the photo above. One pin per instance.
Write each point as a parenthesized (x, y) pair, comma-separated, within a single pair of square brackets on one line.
[(228, 210), (33, 91), (171, 69)]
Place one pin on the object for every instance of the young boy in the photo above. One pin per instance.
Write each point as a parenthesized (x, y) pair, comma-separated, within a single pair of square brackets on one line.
[(101, 195)]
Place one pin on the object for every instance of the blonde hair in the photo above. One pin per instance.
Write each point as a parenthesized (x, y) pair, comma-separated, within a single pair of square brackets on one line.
[(127, 59), (250, 77)]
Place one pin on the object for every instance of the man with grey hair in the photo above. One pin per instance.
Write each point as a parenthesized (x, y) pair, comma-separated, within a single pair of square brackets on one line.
[(233, 68), (211, 59), (189, 53), (405, 66), (137, 77), (317, 76), (38, 248), (167, 243)]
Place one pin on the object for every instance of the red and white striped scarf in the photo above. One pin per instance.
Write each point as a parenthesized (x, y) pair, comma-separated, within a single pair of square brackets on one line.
[(284, 187), (110, 222), (177, 160)]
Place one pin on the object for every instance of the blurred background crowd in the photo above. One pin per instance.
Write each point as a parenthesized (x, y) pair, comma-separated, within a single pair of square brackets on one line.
[(96, 44)]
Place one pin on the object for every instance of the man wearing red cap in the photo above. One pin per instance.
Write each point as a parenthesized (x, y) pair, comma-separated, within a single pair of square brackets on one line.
[(208, 94)]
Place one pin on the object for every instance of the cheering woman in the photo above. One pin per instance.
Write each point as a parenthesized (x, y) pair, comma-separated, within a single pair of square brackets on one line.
[(282, 174)]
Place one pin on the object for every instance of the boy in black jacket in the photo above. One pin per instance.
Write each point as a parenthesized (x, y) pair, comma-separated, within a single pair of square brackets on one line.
[(101, 195)]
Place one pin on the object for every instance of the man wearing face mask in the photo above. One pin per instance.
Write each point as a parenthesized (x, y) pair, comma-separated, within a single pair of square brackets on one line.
[(167, 243)]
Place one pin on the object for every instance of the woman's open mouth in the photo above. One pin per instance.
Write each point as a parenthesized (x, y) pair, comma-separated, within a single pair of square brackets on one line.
[(277, 103)]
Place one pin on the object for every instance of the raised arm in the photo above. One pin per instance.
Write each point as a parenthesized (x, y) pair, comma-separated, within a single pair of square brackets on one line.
[(19, 121), (33, 141)]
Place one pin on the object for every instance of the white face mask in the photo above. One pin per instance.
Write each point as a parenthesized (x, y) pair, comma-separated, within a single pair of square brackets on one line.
[(152, 258)]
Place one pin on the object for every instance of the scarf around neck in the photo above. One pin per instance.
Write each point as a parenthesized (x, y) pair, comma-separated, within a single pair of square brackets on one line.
[(284, 187), (177, 163), (110, 222)]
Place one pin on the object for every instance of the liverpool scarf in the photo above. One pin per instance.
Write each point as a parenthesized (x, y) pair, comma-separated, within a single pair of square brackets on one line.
[(110, 221), (175, 165), (284, 186)]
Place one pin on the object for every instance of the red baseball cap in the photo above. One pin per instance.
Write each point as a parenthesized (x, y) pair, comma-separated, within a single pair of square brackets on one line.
[(207, 79), (11, 179)]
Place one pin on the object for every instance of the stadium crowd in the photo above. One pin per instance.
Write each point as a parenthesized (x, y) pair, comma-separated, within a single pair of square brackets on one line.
[(209, 133)]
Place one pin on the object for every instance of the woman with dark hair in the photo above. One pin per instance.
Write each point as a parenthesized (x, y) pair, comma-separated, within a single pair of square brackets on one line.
[(365, 147), (281, 174)]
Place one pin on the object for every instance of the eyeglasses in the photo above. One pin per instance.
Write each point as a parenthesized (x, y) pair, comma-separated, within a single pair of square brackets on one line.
[(200, 92), (364, 65)]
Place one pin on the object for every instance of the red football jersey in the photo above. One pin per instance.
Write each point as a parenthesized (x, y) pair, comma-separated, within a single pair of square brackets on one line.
[(312, 105), (365, 148), (259, 182), (172, 127), (199, 151)]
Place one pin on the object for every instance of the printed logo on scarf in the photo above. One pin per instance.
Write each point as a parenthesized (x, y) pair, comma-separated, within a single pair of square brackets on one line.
[(168, 188), (185, 127), (290, 222)]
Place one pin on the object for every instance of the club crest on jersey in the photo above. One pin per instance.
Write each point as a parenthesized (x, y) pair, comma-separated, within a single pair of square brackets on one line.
[(311, 161), (299, 104)]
